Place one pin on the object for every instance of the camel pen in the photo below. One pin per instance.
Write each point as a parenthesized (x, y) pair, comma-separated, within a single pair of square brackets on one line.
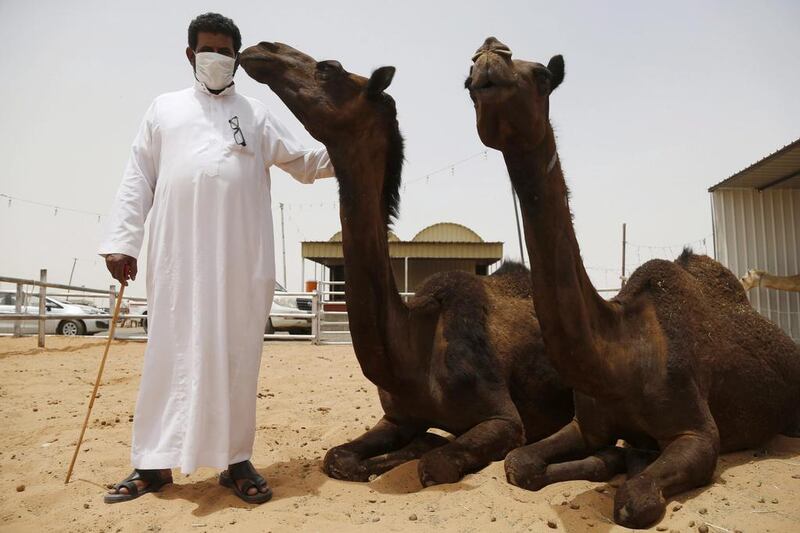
[(97, 381)]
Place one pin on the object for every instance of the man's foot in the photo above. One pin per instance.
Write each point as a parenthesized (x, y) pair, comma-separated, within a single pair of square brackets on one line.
[(139, 482), (246, 482)]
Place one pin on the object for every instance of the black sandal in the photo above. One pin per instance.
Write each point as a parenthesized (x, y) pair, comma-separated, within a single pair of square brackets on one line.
[(154, 484), (249, 478)]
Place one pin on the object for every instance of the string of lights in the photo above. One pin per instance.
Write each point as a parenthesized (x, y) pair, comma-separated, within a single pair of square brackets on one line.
[(695, 243), (451, 167), (55, 208), (334, 204), (646, 252)]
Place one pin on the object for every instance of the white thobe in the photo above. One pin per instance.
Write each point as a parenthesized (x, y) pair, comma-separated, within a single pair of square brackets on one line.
[(210, 269)]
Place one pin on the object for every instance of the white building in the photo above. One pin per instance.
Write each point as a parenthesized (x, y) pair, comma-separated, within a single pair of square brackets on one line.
[(756, 216)]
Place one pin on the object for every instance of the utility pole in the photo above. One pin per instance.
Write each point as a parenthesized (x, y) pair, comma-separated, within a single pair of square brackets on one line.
[(624, 243), (75, 260), (519, 231), (283, 247)]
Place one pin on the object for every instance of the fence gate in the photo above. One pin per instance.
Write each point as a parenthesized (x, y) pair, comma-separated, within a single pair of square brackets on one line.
[(332, 322)]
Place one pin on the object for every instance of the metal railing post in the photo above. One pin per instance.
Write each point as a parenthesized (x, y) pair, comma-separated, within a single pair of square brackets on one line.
[(112, 299), (405, 274), (316, 310), (42, 308), (18, 310)]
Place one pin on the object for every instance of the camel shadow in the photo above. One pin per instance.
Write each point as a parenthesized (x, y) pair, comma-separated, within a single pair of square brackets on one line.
[(594, 506), (288, 479), (780, 447), (404, 479)]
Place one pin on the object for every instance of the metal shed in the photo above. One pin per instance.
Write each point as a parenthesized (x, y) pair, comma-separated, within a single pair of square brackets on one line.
[(756, 217)]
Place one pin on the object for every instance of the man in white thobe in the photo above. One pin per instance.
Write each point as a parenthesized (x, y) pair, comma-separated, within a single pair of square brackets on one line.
[(200, 167)]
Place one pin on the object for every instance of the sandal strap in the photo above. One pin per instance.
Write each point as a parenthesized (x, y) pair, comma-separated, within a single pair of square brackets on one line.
[(246, 470), (151, 477), (246, 485), (133, 489)]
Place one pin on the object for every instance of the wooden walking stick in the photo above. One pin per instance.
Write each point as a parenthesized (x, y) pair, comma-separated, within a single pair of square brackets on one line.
[(97, 381)]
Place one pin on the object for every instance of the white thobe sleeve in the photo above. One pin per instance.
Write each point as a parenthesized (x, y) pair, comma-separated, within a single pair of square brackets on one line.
[(134, 198), (282, 149)]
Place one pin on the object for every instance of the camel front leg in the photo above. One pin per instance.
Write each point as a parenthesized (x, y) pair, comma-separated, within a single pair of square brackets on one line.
[(527, 467), (687, 462), (350, 461), (488, 441), (415, 449), (600, 466)]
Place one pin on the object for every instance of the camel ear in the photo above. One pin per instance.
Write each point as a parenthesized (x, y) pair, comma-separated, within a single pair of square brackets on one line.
[(556, 68), (379, 81)]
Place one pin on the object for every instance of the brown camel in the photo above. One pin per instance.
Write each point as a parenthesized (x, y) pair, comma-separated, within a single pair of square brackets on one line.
[(678, 363), (762, 278), (465, 354)]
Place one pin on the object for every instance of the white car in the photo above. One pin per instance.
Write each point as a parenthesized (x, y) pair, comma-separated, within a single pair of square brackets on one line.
[(30, 305), (289, 304), (280, 305)]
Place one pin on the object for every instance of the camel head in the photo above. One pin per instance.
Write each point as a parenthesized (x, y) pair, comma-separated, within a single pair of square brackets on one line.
[(751, 279), (350, 114), (511, 96), (335, 106)]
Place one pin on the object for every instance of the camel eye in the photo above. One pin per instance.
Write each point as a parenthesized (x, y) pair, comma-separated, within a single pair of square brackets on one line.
[(329, 66), (329, 69)]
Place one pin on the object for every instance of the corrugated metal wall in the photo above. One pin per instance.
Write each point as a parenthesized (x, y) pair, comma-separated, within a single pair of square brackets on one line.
[(761, 230)]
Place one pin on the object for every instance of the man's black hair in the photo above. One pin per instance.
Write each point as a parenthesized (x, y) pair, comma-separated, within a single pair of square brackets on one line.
[(214, 23)]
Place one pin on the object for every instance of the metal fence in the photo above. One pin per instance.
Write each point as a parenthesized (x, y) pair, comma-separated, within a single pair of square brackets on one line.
[(328, 317), (334, 326), (19, 315)]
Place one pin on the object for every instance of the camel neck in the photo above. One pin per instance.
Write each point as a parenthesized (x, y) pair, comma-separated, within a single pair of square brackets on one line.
[(569, 309), (377, 316)]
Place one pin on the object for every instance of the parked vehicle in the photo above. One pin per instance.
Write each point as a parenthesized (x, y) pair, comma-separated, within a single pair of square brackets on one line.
[(289, 304), (281, 304), (30, 305)]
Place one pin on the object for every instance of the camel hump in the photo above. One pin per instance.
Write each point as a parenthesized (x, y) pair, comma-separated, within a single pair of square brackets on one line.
[(511, 279), (712, 275), (451, 286), (512, 268)]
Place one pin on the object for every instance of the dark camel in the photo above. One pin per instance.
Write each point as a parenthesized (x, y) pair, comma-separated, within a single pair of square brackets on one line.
[(465, 354), (678, 363)]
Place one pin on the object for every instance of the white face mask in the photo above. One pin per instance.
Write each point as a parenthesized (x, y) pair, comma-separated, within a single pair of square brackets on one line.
[(214, 70)]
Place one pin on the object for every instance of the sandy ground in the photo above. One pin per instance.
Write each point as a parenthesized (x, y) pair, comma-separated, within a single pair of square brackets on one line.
[(311, 398)]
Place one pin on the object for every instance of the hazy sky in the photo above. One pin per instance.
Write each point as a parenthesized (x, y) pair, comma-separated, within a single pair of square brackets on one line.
[(659, 102)]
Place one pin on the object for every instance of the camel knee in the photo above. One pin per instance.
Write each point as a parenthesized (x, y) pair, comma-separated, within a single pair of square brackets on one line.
[(488, 441), (639, 503), (439, 468), (525, 468), (512, 433), (698, 469), (525, 457), (344, 464)]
